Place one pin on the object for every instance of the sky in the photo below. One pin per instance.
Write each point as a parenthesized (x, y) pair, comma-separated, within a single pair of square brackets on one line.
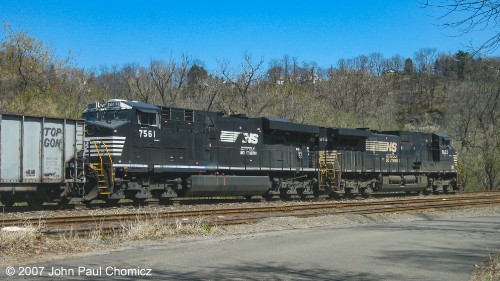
[(114, 33)]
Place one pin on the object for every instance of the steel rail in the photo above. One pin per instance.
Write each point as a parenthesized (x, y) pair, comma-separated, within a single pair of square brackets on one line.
[(49, 221), (251, 214)]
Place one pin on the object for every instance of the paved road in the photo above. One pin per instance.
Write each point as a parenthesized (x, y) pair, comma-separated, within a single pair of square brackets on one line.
[(419, 250)]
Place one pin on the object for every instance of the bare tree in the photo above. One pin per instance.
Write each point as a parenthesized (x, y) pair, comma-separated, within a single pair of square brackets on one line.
[(140, 86), (375, 63), (393, 64), (239, 84), (474, 122), (29, 75), (168, 78), (474, 15), (424, 59)]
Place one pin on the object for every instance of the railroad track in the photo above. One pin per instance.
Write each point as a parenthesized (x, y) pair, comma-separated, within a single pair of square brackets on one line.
[(227, 216)]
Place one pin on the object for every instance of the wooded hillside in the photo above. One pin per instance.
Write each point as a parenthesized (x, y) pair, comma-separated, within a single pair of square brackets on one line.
[(455, 94)]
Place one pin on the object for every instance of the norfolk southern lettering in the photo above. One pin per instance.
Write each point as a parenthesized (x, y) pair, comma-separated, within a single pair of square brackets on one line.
[(52, 137)]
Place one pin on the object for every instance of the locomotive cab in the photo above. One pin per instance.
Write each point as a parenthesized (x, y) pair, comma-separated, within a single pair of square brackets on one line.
[(115, 132), (443, 153), (111, 124), (440, 147)]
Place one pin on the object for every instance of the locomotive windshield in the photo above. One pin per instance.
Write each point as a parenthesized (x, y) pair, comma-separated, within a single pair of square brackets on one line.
[(91, 116), (107, 115), (111, 115)]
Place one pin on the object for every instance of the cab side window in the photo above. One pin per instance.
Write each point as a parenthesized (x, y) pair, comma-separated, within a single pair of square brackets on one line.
[(147, 119)]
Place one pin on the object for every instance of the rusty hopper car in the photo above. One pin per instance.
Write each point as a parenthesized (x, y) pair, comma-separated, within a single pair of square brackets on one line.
[(39, 158)]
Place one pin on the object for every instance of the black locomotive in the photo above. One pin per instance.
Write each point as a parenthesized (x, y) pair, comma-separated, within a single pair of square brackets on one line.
[(138, 151)]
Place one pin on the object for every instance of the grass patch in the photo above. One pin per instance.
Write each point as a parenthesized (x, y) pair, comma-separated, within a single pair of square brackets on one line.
[(489, 270), (27, 243), (156, 228)]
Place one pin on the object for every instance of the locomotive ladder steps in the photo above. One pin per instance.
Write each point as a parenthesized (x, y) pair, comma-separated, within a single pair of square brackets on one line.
[(102, 182), (329, 167), (101, 179)]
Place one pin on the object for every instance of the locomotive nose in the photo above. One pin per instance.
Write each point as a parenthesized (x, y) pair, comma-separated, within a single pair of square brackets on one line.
[(91, 130)]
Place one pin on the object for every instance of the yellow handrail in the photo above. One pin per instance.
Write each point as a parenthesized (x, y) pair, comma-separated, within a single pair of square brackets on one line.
[(334, 172), (112, 174)]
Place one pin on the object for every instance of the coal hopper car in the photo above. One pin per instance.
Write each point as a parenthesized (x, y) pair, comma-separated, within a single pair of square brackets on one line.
[(41, 159)]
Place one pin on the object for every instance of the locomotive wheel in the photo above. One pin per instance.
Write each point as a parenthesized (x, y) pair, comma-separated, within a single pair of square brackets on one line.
[(112, 202), (300, 192), (316, 192), (86, 202), (348, 193), (365, 192), (334, 195), (164, 201), (140, 201), (284, 195)]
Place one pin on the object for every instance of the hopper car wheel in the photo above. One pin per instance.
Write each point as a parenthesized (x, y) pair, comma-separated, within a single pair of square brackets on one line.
[(64, 203), (34, 200), (7, 200), (267, 196), (248, 197)]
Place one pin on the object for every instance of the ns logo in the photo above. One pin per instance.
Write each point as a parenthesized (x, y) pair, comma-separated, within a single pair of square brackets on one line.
[(392, 147), (248, 138)]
